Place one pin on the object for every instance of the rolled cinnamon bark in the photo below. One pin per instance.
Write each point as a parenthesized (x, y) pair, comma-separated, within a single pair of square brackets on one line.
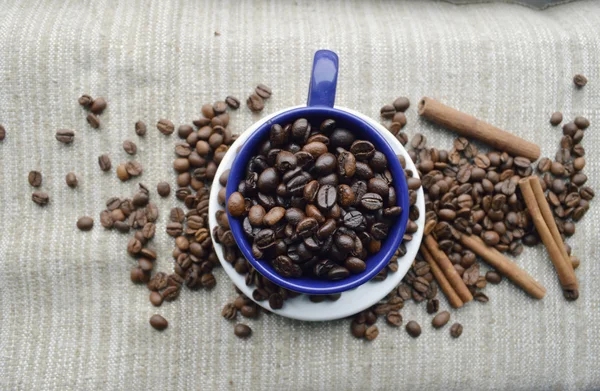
[(538, 192), (564, 269), (469, 126), (504, 266), (441, 279), (448, 269)]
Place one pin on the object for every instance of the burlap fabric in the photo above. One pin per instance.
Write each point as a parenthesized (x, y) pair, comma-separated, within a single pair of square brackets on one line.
[(70, 319)]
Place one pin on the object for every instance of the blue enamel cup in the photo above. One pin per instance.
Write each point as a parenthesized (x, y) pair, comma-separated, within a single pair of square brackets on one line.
[(320, 106)]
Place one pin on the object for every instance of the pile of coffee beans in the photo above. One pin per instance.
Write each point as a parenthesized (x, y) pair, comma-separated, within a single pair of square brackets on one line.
[(316, 202), (95, 106)]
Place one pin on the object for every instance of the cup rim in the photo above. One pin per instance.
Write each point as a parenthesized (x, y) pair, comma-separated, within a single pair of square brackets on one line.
[(381, 259)]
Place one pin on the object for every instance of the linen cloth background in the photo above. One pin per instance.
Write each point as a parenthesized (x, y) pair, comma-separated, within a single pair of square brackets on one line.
[(71, 319)]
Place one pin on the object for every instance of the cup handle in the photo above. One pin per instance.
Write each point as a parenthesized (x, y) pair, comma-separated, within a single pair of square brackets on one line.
[(323, 79)]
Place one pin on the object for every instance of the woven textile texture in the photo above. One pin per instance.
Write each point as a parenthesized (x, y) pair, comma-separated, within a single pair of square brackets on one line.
[(70, 319)]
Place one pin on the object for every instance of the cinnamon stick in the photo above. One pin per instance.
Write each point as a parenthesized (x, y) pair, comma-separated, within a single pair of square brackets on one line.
[(538, 192), (448, 269), (441, 279), (564, 269), (468, 126), (504, 266)]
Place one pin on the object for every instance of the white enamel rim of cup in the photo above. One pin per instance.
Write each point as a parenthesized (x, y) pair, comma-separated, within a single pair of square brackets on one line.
[(352, 301)]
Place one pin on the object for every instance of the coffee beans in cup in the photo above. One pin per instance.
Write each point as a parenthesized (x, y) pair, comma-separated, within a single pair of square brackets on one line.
[(315, 201)]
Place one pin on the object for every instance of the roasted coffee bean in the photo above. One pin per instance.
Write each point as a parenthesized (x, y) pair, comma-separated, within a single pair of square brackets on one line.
[(556, 118), (581, 122), (355, 265), (401, 104), (104, 162), (341, 138), (413, 329), (85, 223), (242, 331), (129, 147), (163, 189), (580, 80), (158, 322), (276, 301), (40, 198), (2, 133), (97, 106), (387, 111), (263, 91), (285, 267), (140, 128), (325, 164), (440, 319), (93, 120), (337, 273), (371, 201), (71, 180), (232, 102), (165, 126), (65, 136), (85, 100), (456, 330), (326, 197), (35, 178), (236, 205), (362, 149)]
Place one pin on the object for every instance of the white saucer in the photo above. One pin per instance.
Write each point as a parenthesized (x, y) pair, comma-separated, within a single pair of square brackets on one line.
[(352, 301)]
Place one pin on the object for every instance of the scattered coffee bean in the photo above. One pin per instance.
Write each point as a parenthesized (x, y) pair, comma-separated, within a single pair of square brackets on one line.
[(65, 136), (580, 80), (413, 329), (129, 147), (2, 133), (85, 223), (71, 180), (163, 189), (156, 299), (158, 322), (371, 333), (394, 318), (85, 100), (104, 162), (440, 319), (140, 128), (456, 330), (40, 198), (581, 122), (401, 104), (98, 106), (232, 102), (93, 120), (493, 277), (387, 111), (263, 91), (165, 126), (255, 103), (242, 331), (556, 118), (35, 178)]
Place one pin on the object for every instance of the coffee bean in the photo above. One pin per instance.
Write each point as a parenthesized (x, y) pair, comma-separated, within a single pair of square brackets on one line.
[(165, 126), (275, 301), (371, 333), (355, 265), (371, 201), (346, 164), (140, 128), (35, 178), (419, 141), (413, 329), (263, 91), (586, 193), (232, 102), (163, 189), (255, 103), (325, 164), (337, 273), (285, 267), (556, 118), (104, 162), (85, 223), (341, 138), (40, 198), (362, 149), (134, 168), (158, 322), (580, 80), (401, 104), (358, 329), (326, 197), (581, 122), (236, 204), (2, 133), (569, 129), (387, 111), (98, 105), (242, 331), (65, 136), (85, 100), (456, 330), (274, 216), (93, 120), (491, 238), (440, 319), (156, 299), (129, 147)]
